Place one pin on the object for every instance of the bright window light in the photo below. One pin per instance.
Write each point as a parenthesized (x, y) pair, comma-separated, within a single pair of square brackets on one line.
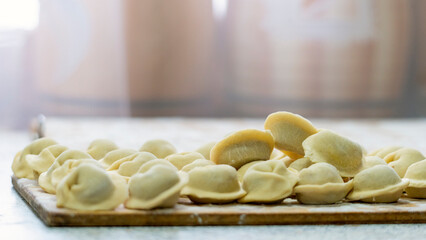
[(18, 14)]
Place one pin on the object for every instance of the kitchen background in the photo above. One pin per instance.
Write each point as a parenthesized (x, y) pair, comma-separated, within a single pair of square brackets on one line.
[(211, 58)]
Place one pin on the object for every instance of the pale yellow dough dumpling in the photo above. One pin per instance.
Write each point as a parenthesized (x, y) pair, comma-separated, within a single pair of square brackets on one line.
[(158, 187), (100, 147), (179, 160), (132, 163), (402, 158), (329, 147), (205, 149), (148, 165), (378, 184), (416, 173), (213, 184), (20, 166), (268, 182), (242, 170), (321, 183), (48, 180), (41, 163), (242, 147), (382, 152), (159, 147), (116, 157), (89, 187), (197, 163), (371, 161), (289, 131), (300, 164)]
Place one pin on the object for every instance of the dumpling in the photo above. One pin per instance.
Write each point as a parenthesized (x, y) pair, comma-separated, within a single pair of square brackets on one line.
[(416, 173), (197, 163), (289, 131), (49, 179), (242, 147), (377, 184), (148, 165), (242, 170), (205, 149), (129, 168), (268, 182), (41, 163), (20, 166), (89, 187), (277, 154), (213, 184), (401, 159), (158, 187), (182, 159), (321, 183), (329, 147), (301, 163), (115, 156), (160, 148), (382, 152), (100, 147), (370, 161)]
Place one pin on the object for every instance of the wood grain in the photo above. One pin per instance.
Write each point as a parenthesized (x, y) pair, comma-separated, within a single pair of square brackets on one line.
[(185, 213)]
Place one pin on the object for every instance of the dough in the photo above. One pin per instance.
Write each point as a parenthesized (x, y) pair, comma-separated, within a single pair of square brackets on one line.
[(370, 161), (160, 148), (382, 152), (41, 163), (300, 164), (148, 165), (158, 187), (321, 183), (129, 168), (112, 157), (402, 158), (377, 184), (242, 170), (327, 146), (268, 182), (289, 131), (49, 179), (213, 184), (182, 159), (242, 147), (416, 173), (205, 149), (89, 187), (197, 163), (277, 154), (100, 147), (20, 166)]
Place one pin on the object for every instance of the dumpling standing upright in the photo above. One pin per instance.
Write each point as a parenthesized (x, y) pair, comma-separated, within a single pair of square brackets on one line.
[(100, 147)]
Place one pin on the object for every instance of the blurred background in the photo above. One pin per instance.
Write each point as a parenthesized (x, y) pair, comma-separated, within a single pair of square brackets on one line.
[(211, 58)]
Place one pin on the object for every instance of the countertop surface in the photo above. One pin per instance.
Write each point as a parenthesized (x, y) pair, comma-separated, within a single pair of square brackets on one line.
[(17, 221)]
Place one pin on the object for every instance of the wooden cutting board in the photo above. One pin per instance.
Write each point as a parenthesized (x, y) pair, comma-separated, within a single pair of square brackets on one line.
[(406, 210)]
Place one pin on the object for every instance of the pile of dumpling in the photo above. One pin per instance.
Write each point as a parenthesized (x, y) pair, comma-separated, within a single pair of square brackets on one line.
[(290, 158)]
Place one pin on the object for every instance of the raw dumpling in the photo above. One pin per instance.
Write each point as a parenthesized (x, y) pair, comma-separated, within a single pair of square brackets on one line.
[(382, 152), (89, 187), (370, 161), (114, 156), (148, 165), (49, 179), (197, 163), (129, 168), (160, 148), (242, 170), (416, 173), (300, 164), (158, 187), (268, 182), (378, 184), (321, 183), (329, 147), (41, 163), (20, 166), (213, 184), (100, 147), (205, 149), (242, 147), (182, 159), (401, 159), (277, 154), (289, 131)]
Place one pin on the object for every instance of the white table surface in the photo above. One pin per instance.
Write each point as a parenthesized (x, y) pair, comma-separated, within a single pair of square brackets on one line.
[(17, 221)]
